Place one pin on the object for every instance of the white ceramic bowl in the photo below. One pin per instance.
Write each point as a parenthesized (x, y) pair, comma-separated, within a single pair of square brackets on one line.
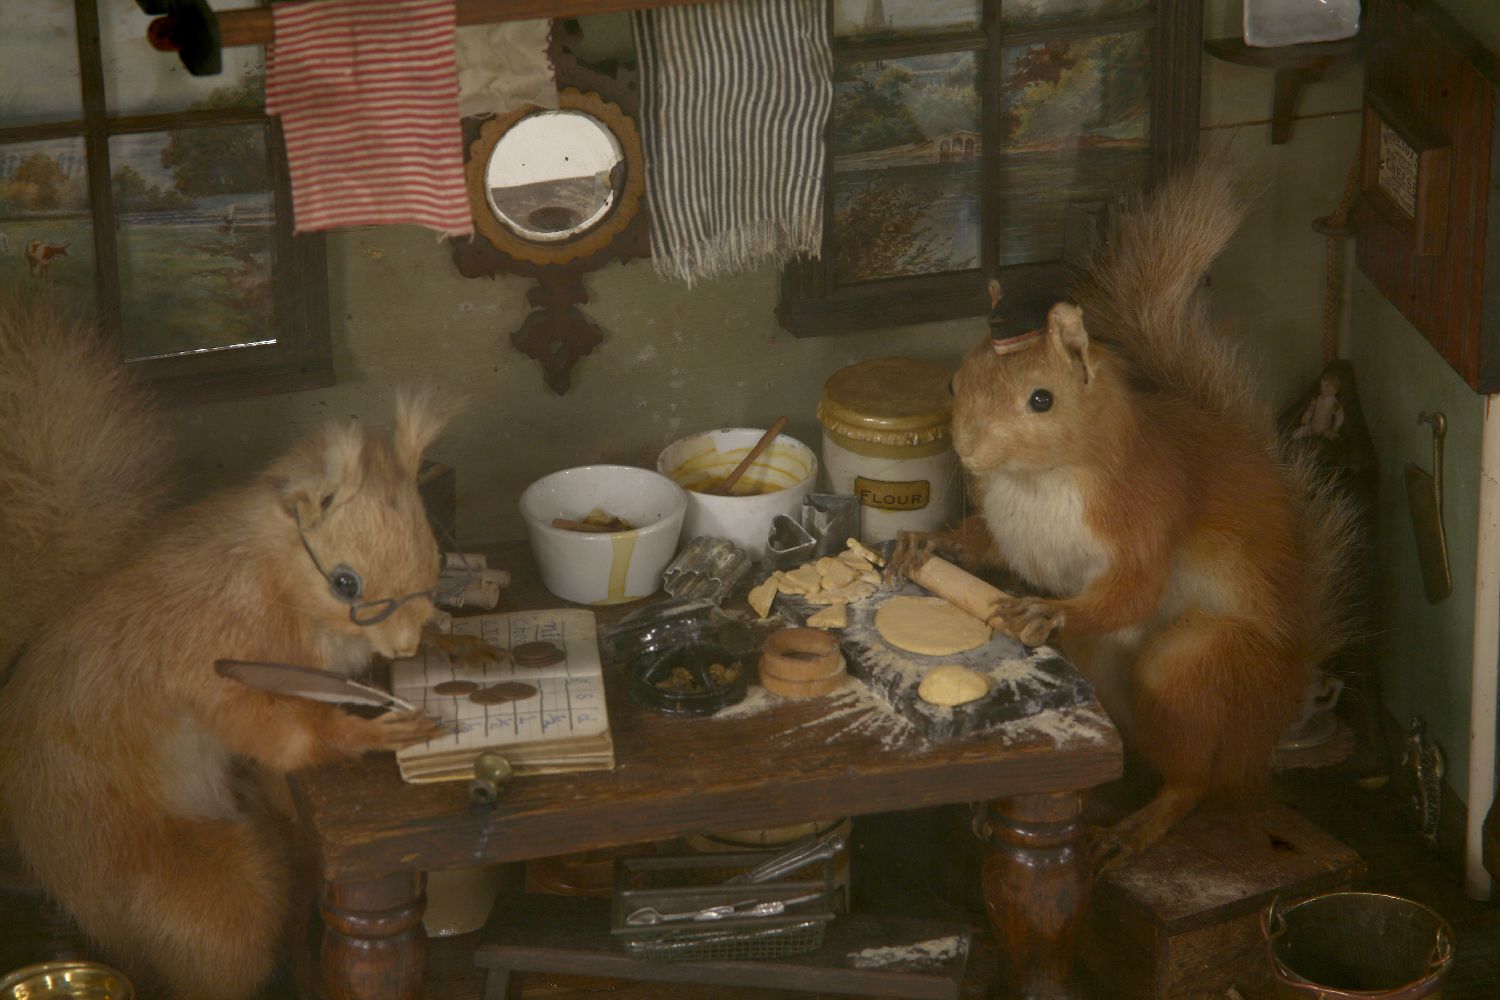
[(604, 568), (782, 475)]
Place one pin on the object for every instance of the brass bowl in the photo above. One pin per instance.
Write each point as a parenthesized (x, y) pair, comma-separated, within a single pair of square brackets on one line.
[(66, 981)]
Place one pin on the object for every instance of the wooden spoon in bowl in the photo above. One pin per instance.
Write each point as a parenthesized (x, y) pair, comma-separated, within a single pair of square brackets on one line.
[(722, 490)]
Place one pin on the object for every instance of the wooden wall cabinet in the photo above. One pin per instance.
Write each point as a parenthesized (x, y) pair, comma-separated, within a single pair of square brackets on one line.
[(1426, 223)]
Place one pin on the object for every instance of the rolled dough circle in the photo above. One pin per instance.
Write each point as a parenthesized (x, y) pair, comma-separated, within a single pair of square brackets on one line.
[(951, 684), (930, 626)]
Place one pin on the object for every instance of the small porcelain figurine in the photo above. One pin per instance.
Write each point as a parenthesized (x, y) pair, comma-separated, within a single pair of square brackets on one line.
[(1324, 416)]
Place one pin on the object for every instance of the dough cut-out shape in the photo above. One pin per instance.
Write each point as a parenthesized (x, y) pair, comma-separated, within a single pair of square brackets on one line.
[(952, 684), (929, 626)]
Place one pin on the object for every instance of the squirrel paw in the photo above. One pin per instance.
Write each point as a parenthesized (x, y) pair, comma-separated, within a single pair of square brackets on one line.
[(913, 548), (1030, 619), (464, 650), (1106, 851), (398, 729)]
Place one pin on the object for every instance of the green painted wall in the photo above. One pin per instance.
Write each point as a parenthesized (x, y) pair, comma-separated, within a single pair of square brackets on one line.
[(1425, 662)]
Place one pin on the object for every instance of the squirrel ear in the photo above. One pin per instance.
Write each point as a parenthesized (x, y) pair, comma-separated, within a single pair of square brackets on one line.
[(420, 418), (310, 480), (1066, 335)]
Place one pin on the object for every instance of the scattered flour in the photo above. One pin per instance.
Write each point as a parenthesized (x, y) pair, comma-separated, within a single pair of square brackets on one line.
[(757, 699), (1064, 726), (929, 952), (852, 707)]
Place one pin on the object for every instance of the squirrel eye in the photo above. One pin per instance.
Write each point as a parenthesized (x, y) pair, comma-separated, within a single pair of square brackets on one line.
[(345, 584), (1040, 401)]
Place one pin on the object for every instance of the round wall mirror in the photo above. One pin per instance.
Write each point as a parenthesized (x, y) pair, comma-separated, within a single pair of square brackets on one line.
[(554, 175), (549, 187)]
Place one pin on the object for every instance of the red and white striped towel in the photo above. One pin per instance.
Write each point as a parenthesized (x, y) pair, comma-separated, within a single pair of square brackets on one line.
[(367, 91)]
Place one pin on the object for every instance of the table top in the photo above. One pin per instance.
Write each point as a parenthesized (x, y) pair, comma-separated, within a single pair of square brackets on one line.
[(766, 762)]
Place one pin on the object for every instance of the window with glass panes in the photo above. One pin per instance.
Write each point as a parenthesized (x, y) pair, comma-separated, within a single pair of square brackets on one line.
[(157, 199)]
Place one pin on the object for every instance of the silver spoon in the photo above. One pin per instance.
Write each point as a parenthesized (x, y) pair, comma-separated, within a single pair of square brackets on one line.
[(748, 908)]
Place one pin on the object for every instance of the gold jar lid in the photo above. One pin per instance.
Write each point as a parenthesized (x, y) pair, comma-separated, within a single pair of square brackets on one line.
[(77, 979), (890, 401)]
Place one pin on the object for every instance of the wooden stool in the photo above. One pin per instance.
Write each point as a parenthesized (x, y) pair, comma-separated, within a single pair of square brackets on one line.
[(557, 933), (1182, 922)]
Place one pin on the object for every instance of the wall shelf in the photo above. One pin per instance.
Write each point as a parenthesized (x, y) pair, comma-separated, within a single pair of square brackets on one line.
[(1295, 66), (252, 25)]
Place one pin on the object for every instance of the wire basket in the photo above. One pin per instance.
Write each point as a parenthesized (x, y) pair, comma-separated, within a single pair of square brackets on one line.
[(689, 884)]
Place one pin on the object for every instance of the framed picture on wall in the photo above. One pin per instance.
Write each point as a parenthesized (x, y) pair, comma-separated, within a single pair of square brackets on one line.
[(157, 201), (971, 138)]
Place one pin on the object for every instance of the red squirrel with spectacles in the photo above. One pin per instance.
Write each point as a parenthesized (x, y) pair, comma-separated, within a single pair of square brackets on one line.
[(136, 783)]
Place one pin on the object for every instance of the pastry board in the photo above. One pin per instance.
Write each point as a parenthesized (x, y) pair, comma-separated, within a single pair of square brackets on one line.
[(1023, 682)]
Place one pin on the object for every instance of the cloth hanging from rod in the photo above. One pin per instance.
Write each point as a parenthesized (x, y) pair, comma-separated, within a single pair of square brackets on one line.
[(367, 93), (502, 67), (734, 99)]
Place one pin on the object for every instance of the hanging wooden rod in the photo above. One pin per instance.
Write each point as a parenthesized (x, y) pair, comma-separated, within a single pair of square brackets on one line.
[(252, 25)]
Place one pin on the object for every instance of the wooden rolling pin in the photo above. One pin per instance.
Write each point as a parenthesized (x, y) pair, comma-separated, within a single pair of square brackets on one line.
[(958, 587)]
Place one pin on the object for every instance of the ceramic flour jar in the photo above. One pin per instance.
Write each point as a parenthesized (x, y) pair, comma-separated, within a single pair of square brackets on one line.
[(886, 440)]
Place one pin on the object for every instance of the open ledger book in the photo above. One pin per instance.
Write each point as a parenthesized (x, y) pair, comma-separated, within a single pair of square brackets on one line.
[(562, 726)]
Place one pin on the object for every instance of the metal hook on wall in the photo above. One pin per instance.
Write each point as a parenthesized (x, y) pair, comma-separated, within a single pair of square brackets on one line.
[(1424, 492)]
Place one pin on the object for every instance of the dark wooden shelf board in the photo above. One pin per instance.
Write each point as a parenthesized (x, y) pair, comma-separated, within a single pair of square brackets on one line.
[(535, 933)]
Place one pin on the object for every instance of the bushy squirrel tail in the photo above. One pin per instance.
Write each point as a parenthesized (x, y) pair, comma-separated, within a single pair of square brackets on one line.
[(83, 457), (1140, 290), (1141, 294)]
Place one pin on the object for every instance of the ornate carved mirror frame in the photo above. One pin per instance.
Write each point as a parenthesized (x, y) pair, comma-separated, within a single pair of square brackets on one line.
[(556, 333)]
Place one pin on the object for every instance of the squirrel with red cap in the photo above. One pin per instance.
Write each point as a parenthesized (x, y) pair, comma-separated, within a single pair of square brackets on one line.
[(137, 783), (1123, 470)]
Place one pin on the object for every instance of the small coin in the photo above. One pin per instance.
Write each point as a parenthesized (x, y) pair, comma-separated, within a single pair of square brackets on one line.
[(455, 687), (497, 694), (537, 654)]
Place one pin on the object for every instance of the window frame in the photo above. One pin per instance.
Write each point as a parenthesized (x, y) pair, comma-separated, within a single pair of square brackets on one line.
[(301, 357), (813, 304)]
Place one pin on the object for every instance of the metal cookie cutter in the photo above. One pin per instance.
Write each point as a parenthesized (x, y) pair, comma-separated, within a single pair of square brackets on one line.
[(789, 544), (831, 519), (706, 569)]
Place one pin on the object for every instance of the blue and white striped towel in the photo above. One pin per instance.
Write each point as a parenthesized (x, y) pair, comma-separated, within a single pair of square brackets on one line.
[(734, 100)]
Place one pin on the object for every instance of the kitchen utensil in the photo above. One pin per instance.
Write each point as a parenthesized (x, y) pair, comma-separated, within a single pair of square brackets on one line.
[(788, 544), (794, 858), (831, 519), (604, 567), (648, 915), (707, 569), (683, 680), (1424, 492), (726, 488), (775, 484)]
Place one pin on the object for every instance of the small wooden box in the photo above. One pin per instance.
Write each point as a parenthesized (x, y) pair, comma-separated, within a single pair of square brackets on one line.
[(1183, 921)]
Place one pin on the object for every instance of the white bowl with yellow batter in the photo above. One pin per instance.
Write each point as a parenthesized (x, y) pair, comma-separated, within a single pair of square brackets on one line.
[(774, 484)]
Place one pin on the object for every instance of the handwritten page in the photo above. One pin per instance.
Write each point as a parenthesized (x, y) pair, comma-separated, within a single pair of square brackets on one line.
[(564, 723)]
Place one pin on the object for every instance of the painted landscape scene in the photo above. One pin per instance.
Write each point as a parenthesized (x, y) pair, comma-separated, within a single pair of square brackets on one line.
[(1077, 117), (875, 18), (1039, 13), (907, 157), (196, 239), (194, 229), (44, 205)]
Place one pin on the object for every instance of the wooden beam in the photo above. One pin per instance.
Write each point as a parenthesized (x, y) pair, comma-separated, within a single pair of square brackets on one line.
[(252, 25)]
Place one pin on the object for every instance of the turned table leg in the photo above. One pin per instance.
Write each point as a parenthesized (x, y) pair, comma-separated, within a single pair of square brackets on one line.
[(1036, 883), (373, 945)]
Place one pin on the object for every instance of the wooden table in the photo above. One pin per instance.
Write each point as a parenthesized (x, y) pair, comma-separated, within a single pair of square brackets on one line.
[(790, 763)]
